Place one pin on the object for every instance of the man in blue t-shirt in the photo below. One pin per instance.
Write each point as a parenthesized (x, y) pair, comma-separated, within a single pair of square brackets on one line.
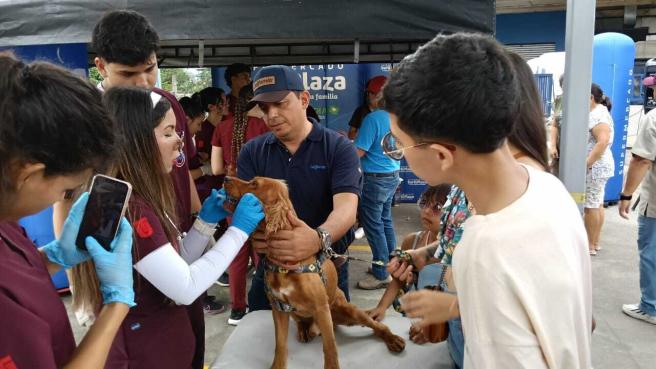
[(381, 178), (321, 169)]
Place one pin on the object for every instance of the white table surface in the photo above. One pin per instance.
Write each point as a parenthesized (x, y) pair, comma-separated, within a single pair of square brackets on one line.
[(251, 346)]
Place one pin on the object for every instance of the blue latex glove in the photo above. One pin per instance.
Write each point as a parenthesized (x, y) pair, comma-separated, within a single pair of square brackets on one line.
[(248, 214), (114, 268), (212, 210), (64, 251)]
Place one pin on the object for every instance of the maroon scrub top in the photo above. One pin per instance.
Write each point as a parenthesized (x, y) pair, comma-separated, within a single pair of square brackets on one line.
[(223, 135), (180, 175), (34, 328), (156, 333), (205, 184), (182, 187)]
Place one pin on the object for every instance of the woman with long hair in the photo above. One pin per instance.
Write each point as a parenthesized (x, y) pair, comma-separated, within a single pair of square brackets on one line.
[(600, 164), (528, 140), (54, 133), (171, 269)]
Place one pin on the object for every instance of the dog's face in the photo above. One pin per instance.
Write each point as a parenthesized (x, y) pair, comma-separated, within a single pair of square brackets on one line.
[(268, 190), (271, 192)]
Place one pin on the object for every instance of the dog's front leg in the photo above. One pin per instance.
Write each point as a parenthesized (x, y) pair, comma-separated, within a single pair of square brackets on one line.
[(281, 324), (325, 323)]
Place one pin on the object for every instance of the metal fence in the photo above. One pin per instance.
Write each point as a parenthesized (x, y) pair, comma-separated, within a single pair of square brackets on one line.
[(544, 83)]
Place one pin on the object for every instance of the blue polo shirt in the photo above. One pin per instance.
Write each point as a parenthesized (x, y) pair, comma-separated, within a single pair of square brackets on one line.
[(325, 164), (374, 127)]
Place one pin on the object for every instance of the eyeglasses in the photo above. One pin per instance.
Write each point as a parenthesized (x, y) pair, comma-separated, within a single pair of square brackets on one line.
[(392, 149), (435, 207)]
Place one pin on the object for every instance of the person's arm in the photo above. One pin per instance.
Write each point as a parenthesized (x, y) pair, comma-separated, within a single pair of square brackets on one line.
[(638, 167), (165, 269), (643, 155), (346, 183), (352, 133), (366, 136), (94, 348), (342, 218), (303, 241), (378, 313), (182, 282), (114, 270), (431, 307), (218, 166), (553, 138), (601, 133)]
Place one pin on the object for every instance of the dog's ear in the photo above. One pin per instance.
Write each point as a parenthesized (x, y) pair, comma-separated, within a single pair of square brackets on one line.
[(276, 214)]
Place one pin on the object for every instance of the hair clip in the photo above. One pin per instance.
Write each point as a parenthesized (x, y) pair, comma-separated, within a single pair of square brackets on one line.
[(155, 97)]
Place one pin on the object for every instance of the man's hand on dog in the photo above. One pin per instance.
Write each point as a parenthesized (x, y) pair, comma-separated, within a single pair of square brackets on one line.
[(258, 241), (290, 247)]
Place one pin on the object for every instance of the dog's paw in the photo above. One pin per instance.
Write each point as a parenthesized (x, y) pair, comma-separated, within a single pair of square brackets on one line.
[(395, 343)]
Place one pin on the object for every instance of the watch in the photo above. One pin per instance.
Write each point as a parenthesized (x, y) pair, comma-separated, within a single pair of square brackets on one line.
[(624, 197), (326, 239)]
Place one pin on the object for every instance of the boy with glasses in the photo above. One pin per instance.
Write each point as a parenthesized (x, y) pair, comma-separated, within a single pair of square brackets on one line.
[(521, 270)]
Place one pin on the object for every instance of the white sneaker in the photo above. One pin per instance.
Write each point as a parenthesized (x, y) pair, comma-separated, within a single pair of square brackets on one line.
[(359, 233), (634, 311)]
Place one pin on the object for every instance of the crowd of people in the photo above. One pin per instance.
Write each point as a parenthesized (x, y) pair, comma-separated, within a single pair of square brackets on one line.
[(504, 251)]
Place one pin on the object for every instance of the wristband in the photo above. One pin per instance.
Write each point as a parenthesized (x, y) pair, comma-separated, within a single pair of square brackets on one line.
[(624, 197), (204, 228)]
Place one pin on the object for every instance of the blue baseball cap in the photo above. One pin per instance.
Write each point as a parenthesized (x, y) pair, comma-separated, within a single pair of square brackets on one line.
[(274, 82)]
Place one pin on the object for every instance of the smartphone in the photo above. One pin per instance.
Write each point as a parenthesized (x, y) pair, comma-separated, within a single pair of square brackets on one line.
[(108, 200)]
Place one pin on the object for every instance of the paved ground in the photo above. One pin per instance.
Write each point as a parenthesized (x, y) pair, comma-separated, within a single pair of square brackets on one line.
[(619, 341)]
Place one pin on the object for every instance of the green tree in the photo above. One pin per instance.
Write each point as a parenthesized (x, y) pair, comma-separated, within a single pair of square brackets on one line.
[(203, 79), (94, 75)]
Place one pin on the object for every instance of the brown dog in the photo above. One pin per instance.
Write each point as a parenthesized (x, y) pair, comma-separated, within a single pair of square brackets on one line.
[(310, 297)]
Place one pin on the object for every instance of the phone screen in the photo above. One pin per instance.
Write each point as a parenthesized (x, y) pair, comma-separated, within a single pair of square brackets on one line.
[(102, 215)]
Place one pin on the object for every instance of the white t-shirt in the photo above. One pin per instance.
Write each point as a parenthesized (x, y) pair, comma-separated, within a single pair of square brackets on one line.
[(605, 166), (524, 285), (645, 147)]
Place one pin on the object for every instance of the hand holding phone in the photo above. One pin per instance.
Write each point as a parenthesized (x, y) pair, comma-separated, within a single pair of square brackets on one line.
[(105, 207), (64, 251)]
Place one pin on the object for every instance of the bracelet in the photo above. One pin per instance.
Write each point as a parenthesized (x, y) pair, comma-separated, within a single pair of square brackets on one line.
[(624, 197), (204, 228)]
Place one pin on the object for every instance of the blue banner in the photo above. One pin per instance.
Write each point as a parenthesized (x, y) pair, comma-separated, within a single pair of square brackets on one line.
[(336, 91), (39, 226), (71, 56)]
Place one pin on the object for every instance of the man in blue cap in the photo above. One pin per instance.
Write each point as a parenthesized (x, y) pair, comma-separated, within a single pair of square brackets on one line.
[(321, 168)]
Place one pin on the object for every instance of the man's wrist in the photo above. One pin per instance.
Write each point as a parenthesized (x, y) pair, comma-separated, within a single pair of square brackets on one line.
[(624, 197), (325, 239)]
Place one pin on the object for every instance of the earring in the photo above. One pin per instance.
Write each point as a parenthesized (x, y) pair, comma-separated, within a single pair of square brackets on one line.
[(180, 160)]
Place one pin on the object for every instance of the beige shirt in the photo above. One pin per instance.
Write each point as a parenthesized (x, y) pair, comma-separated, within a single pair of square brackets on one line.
[(524, 284), (645, 147)]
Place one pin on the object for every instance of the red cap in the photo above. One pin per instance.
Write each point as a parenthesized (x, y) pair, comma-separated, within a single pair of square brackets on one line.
[(376, 84)]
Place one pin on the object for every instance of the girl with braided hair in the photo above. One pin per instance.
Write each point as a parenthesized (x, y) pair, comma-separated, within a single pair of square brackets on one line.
[(245, 124)]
